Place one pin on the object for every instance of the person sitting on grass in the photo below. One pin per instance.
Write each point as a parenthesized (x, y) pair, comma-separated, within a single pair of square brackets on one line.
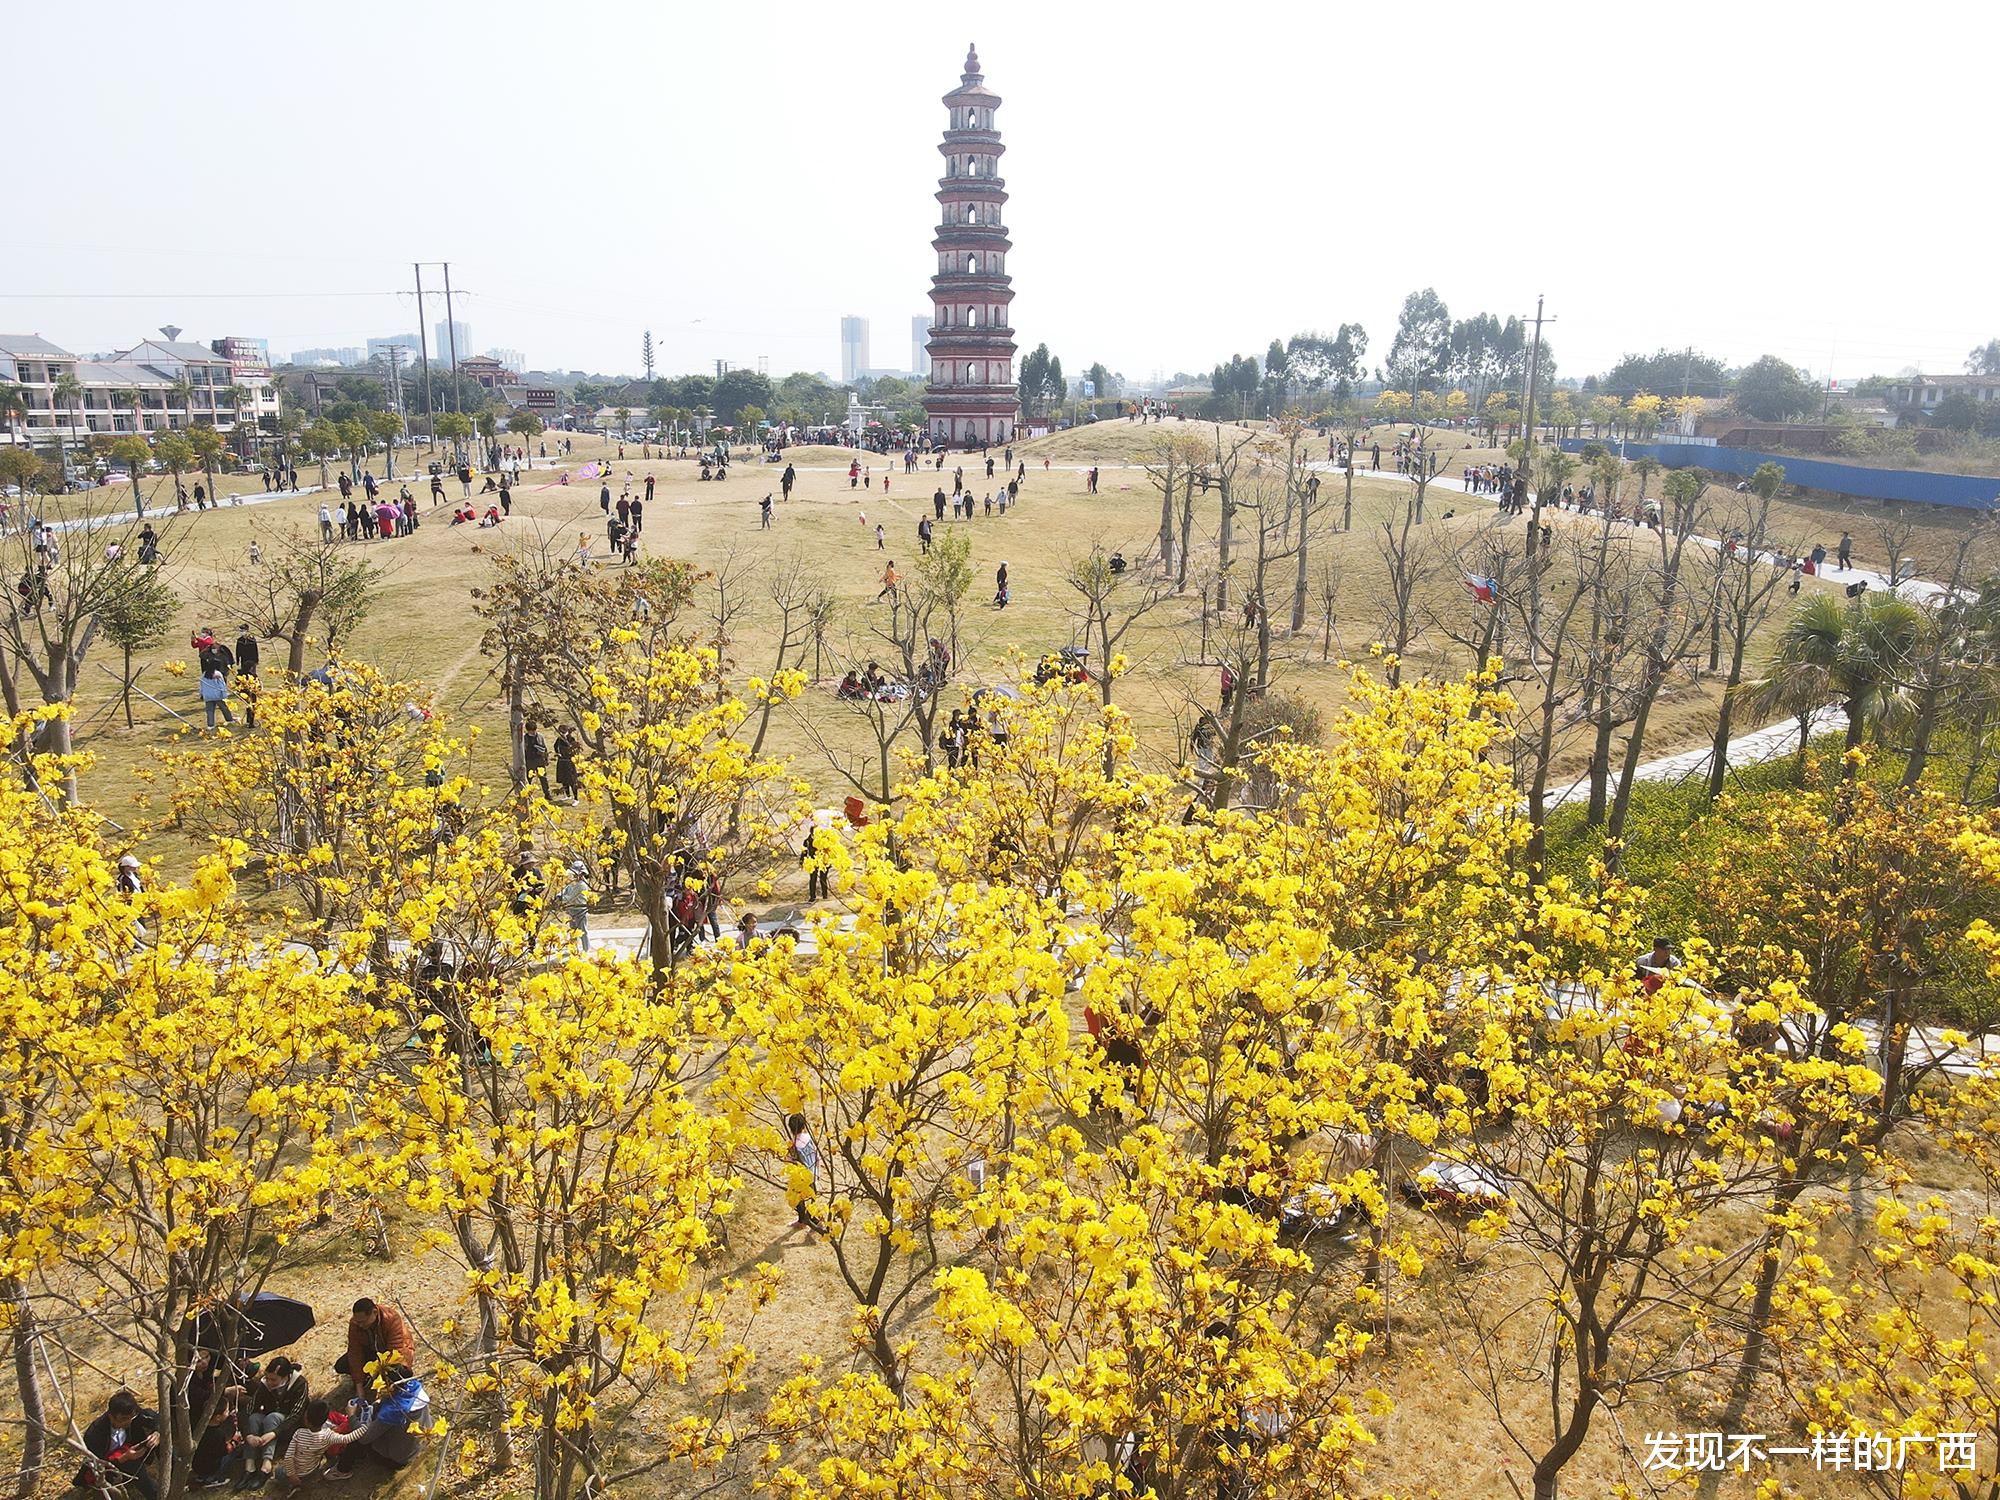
[(383, 1427), (318, 1435), (121, 1441), (276, 1410)]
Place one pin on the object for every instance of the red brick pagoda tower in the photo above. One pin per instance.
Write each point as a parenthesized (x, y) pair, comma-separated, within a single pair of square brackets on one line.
[(972, 398)]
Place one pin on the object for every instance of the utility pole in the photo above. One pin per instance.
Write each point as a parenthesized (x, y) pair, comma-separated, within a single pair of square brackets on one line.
[(451, 332), (424, 348), (396, 384), (1527, 476), (1687, 369)]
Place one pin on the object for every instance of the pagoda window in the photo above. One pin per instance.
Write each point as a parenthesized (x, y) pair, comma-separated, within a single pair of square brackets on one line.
[(972, 320), (972, 265)]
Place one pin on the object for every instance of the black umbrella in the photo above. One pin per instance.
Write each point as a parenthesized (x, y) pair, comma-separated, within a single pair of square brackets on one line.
[(260, 1323)]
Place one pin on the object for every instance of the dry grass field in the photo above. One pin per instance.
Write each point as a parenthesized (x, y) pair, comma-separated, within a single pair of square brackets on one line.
[(422, 627), (1442, 1439)]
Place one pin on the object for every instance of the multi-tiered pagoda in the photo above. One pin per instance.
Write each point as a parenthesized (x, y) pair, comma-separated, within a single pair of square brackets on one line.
[(972, 398)]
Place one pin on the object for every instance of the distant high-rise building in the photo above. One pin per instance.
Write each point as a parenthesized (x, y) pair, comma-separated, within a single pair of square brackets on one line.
[(853, 348), (443, 331), (345, 356), (513, 359), (920, 335), (408, 342)]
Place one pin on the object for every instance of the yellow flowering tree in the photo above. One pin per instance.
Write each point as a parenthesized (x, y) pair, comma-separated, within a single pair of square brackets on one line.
[(1130, 1325), (224, 1118), (672, 774), (346, 797), (585, 1188)]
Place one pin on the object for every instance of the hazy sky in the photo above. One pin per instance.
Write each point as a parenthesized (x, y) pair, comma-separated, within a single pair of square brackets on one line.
[(1186, 182)]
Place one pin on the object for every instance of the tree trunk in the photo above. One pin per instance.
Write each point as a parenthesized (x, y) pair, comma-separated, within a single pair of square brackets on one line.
[(1167, 523), (517, 725), (1718, 760), (1600, 752), (1224, 538), (34, 1435), (1635, 742), (1299, 582), (1920, 739), (125, 687), (1755, 1340), (295, 662), (1187, 529)]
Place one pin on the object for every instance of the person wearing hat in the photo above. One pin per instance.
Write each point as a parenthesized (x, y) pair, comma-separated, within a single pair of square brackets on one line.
[(128, 875)]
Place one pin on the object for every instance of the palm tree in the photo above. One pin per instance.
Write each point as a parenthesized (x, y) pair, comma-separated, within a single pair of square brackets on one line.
[(1859, 651), (67, 396), (13, 405), (239, 397), (1645, 468), (181, 391), (133, 402)]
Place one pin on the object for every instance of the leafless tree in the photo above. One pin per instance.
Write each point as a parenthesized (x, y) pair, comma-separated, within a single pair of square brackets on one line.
[(1549, 669), (1227, 463), (1173, 464), (1410, 564), (1675, 620), (67, 580), (1326, 591), (1743, 593), (304, 579)]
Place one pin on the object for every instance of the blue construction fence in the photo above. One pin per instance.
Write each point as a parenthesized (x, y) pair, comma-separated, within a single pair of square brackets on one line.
[(1967, 491)]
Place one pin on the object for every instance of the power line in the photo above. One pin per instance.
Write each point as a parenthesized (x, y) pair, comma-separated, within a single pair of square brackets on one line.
[(156, 296)]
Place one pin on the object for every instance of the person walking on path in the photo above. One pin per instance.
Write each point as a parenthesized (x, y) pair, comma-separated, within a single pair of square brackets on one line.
[(568, 782), (924, 533), (1844, 553), (215, 695), (649, 491), (890, 578), (604, 497), (785, 482), (879, 542), (535, 755), (819, 879), (574, 899), (639, 512), (325, 523), (806, 1153), (247, 654), (1093, 479), (937, 502), (764, 511)]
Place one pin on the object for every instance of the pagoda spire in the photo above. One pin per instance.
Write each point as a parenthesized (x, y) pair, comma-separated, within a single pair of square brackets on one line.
[(971, 400)]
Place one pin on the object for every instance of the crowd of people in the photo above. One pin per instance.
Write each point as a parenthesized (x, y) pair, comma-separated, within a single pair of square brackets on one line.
[(252, 1416)]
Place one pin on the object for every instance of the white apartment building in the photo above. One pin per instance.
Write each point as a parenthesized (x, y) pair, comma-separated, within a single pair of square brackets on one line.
[(154, 385)]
